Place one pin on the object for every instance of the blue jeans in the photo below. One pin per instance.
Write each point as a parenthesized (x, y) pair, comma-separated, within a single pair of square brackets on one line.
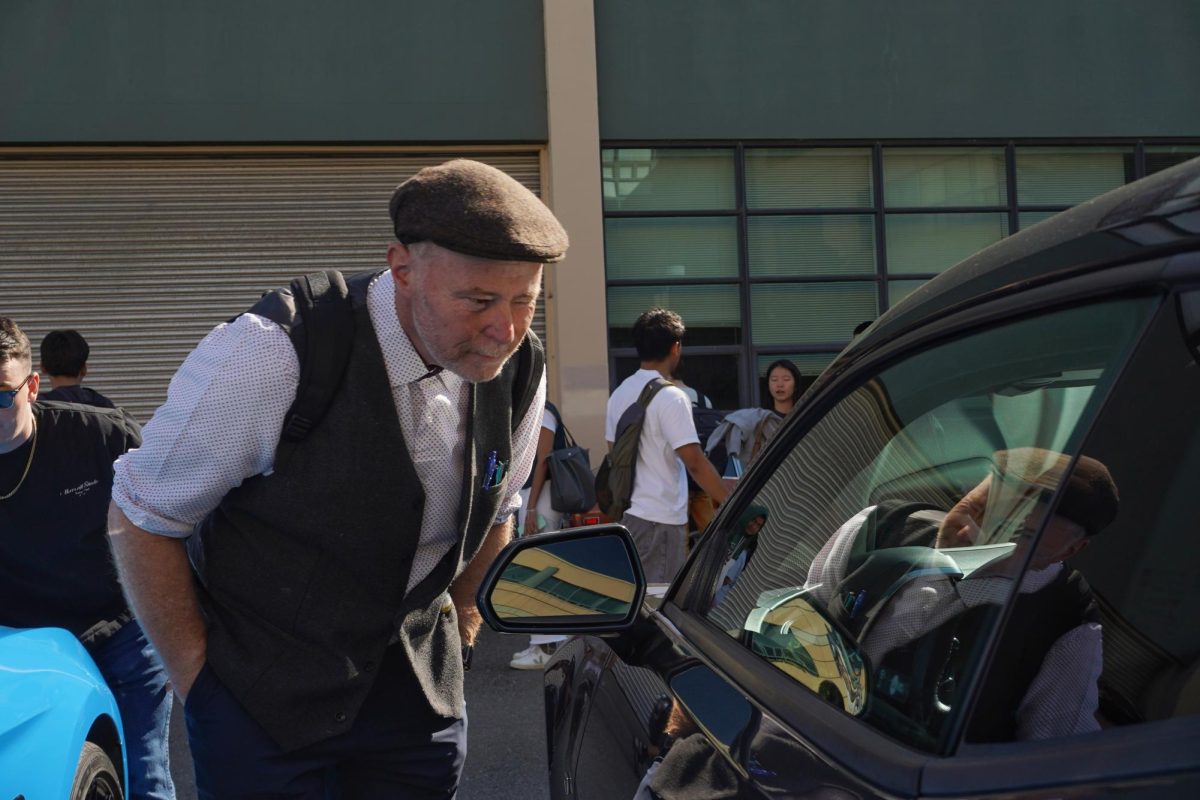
[(135, 676)]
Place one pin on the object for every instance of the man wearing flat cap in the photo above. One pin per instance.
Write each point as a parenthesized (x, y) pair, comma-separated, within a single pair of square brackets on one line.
[(311, 610), (920, 622)]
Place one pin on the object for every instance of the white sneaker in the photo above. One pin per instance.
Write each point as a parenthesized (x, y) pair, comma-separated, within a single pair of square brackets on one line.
[(533, 657), (528, 651)]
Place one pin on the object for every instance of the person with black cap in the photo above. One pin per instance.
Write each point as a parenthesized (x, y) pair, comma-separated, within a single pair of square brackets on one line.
[(1043, 679), (311, 611)]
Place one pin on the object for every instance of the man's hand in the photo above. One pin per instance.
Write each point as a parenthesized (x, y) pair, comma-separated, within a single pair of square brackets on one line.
[(463, 590), (469, 623), (960, 528), (157, 580)]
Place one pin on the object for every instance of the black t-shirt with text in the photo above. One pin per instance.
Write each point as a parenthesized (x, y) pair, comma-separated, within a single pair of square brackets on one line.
[(55, 567)]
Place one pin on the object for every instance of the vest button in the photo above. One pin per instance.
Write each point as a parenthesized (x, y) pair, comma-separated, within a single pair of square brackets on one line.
[(339, 716)]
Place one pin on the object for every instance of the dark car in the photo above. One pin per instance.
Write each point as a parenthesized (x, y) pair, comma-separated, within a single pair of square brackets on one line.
[(895, 602)]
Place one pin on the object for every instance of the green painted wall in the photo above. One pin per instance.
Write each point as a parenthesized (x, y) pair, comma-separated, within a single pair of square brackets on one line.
[(271, 71), (764, 69)]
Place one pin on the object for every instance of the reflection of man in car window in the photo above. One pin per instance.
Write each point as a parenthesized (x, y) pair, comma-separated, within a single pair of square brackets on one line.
[(909, 621)]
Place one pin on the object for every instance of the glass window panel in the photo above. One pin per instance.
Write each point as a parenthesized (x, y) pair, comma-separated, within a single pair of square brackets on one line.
[(837, 572), (712, 314), (928, 243), (898, 290), (944, 176), (810, 313), (808, 178), (655, 179), (713, 375), (816, 245), (808, 363), (1146, 562), (1027, 219), (1159, 157), (671, 247), (1065, 176)]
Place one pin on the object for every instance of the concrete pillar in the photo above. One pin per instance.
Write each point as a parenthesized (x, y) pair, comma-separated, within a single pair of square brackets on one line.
[(576, 321)]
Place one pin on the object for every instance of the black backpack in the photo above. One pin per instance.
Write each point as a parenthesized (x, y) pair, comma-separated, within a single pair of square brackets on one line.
[(706, 421), (614, 479), (318, 315)]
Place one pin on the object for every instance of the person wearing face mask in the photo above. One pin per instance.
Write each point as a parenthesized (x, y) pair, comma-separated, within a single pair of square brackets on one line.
[(1043, 680), (315, 613)]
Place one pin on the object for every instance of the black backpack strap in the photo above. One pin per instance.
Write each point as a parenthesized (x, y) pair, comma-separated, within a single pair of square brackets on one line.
[(531, 363), (317, 314), (561, 434), (323, 339)]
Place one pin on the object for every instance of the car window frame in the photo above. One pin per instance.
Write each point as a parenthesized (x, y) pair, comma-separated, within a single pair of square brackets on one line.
[(870, 358), (1132, 753), (838, 736), (689, 591)]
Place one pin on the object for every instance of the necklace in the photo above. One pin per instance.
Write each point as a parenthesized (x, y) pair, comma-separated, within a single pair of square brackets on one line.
[(28, 464)]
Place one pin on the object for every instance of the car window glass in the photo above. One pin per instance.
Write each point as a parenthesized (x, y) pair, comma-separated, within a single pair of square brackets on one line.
[(1144, 568), (874, 560)]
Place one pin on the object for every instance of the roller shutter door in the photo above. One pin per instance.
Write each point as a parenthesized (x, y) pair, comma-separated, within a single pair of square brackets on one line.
[(144, 255)]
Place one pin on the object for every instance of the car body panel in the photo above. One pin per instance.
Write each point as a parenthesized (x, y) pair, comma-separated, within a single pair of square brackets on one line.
[(51, 696), (750, 730), (1107, 231)]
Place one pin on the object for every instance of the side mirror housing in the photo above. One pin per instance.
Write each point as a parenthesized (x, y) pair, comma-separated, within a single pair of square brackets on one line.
[(579, 580)]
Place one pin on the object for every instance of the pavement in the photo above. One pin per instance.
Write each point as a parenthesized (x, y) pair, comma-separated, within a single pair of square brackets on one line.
[(506, 750)]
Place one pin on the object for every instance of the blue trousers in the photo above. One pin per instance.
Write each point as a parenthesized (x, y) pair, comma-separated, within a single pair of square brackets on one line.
[(135, 676), (397, 748)]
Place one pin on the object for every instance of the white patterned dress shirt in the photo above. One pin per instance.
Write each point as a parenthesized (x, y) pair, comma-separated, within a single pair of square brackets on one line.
[(224, 413)]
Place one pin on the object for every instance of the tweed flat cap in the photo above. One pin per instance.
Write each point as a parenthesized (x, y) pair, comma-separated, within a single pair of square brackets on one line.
[(477, 210), (1089, 497)]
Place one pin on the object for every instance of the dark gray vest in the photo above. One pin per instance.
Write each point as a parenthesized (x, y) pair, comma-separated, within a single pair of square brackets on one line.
[(304, 571)]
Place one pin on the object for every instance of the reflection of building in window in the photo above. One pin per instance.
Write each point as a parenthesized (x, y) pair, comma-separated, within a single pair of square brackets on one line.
[(625, 169), (541, 584), (799, 642)]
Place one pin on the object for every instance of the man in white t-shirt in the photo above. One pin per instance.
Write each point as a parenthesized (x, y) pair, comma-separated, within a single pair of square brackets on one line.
[(657, 514)]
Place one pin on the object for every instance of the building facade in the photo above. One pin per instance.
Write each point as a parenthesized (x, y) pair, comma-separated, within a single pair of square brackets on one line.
[(777, 171)]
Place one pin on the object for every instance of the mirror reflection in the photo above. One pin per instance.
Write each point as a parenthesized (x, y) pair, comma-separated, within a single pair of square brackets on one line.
[(798, 638), (592, 578)]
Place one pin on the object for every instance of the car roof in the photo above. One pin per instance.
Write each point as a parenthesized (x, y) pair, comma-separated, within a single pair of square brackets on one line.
[(1152, 216)]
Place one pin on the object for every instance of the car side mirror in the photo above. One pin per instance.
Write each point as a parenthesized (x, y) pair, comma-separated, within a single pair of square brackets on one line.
[(579, 580)]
